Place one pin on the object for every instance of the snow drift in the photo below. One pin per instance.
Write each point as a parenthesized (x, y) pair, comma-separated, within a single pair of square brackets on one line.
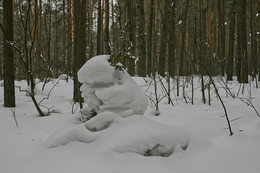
[(113, 117)]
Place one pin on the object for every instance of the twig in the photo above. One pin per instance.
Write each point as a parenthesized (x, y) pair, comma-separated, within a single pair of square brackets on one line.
[(14, 116), (248, 102), (72, 103), (228, 91), (48, 96), (235, 119), (148, 152), (168, 93)]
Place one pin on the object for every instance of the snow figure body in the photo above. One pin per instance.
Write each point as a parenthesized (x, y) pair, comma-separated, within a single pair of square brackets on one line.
[(107, 88)]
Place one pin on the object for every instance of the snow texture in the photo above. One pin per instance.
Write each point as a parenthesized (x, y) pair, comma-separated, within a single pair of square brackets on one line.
[(113, 149)]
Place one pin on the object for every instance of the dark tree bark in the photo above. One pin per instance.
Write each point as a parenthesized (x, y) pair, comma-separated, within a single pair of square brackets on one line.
[(56, 48), (38, 41), (209, 36), (106, 29), (90, 39), (99, 28), (221, 35), (150, 38), (242, 60), (172, 38), (230, 60), (69, 37), (79, 46), (64, 38), (200, 48), (183, 30), (164, 40), (76, 29), (82, 35), (253, 26), (48, 32), (141, 46), (258, 24), (9, 88), (131, 61)]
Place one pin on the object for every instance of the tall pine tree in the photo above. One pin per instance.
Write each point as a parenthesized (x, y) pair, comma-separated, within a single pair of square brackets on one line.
[(9, 88)]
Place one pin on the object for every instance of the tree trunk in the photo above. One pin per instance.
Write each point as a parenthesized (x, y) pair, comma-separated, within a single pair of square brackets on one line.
[(172, 38), (106, 29), (183, 36), (131, 61), (242, 60), (76, 47), (150, 39), (164, 40), (230, 60), (79, 46), (258, 39), (99, 28), (56, 48), (253, 21), (221, 35), (9, 88), (90, 39), (64, 40), (141, 64), (82, 34), (69, 37), (39, 41)]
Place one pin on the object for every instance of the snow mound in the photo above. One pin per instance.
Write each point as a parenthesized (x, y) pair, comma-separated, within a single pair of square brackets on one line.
[(138, 134), (112, 118), (135, 134), (75, 133), (108, 88)]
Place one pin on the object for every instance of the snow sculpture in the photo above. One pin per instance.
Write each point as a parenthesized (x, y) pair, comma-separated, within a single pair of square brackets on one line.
[(109, 89), (112, 119)]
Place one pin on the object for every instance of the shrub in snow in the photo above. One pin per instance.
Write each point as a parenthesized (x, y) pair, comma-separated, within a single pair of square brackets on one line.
[(112, 118)]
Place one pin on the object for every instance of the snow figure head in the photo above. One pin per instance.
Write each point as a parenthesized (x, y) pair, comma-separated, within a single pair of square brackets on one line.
[(108, 88)]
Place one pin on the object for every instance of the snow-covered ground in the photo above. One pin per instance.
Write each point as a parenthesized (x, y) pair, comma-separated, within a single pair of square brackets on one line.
[(23, 149)]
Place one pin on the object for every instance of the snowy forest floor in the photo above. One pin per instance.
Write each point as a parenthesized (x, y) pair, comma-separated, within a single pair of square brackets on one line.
[(211, 149)]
